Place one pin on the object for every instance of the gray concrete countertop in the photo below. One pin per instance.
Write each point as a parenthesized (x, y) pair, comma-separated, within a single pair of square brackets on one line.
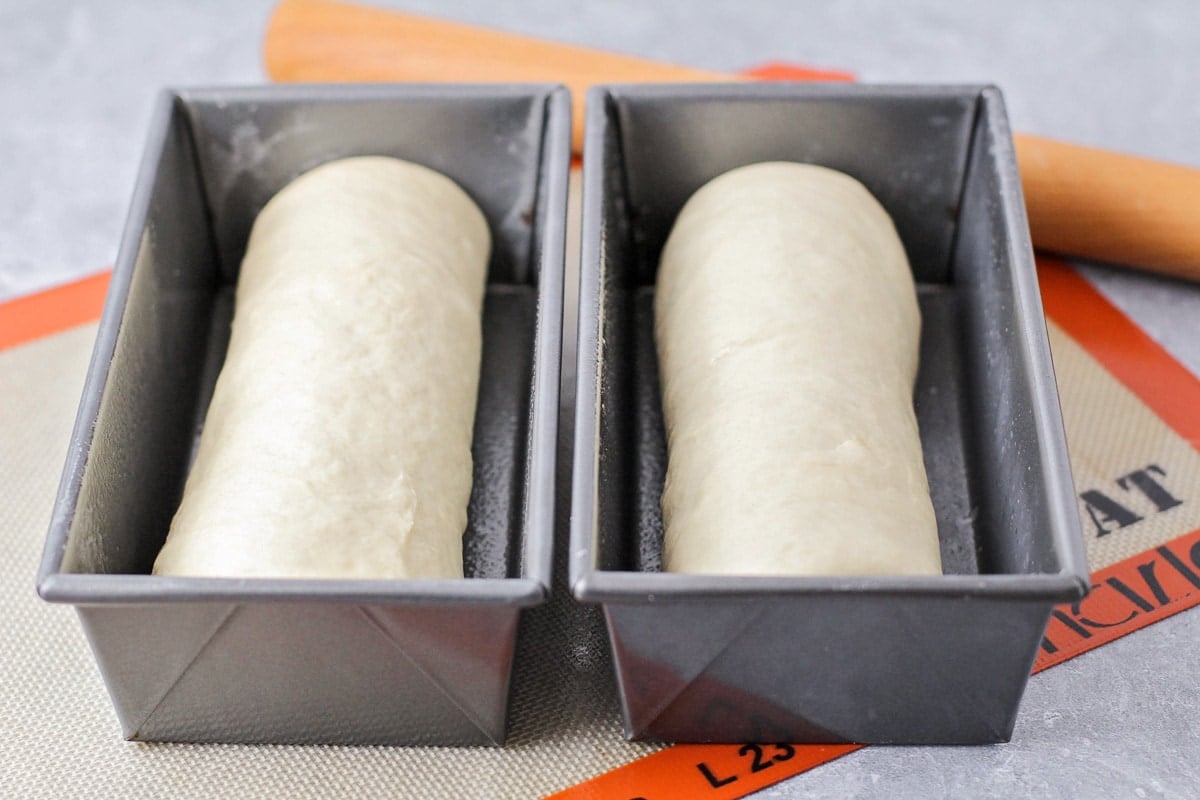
[(78, 80)]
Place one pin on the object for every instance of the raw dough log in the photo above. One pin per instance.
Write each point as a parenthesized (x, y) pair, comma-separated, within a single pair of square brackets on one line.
[(338, 440), (787, 330)]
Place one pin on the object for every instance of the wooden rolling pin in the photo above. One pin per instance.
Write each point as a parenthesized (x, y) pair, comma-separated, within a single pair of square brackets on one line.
[(1081, 201)]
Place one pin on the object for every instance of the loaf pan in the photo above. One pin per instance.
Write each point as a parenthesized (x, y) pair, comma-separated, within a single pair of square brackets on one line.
[(933, 659), (303, 661)]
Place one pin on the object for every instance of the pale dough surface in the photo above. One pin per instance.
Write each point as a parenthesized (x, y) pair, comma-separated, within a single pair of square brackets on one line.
[(787, 330), (338, 440)]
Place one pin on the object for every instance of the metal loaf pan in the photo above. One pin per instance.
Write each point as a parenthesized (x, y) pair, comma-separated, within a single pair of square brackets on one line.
[(940, 659), (335, 661)]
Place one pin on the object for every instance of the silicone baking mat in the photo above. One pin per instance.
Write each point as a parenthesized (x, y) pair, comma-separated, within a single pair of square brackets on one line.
[(1133, 423)]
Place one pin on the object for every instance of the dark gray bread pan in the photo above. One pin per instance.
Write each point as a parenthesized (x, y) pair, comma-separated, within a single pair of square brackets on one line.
[(937, 659), (333, 661)]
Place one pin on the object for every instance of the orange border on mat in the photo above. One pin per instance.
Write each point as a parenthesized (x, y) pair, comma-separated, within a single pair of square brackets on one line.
[(53, 310), (705, 772), (1125, 597), (1156, 583), (1121, 347), (779, 71)]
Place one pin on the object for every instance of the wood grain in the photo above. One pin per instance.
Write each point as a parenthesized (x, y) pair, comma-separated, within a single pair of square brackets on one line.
[(1110, 206)]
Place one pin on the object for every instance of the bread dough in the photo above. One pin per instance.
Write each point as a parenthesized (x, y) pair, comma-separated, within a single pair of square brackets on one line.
[(787, 330), (338, 440)]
